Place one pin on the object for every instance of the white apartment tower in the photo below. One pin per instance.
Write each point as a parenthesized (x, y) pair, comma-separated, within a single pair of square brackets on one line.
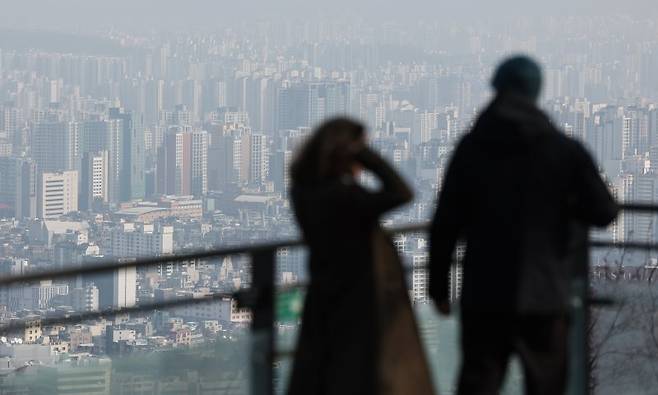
[(125, 287), (58, 194), (259, 158), (457, 274), (420, 276), (94, 179)]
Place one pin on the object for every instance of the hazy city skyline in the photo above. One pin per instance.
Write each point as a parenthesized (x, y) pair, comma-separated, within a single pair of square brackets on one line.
[(150, 128)]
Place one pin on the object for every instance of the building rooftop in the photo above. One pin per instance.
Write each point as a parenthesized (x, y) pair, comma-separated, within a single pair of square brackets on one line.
[(262, 199), (65, 226)]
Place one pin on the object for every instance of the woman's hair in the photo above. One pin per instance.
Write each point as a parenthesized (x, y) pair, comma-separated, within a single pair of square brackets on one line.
[(328, 153)]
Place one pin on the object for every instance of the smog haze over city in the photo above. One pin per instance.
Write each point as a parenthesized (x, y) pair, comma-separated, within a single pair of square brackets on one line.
[(150, 128)]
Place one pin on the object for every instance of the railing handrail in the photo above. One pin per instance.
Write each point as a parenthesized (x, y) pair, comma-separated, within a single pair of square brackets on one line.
[(639, 206), (178, 258), (108, 265), (81, 316)]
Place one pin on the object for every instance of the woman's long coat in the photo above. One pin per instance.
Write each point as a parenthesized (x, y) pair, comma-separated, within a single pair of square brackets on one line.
[(358, 333)]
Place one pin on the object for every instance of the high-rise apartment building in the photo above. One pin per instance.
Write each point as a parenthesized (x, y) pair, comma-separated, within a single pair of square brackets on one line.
[(455, 279), (13, 124), (238, 156), (174, 160), (154, 100), (131, 166), (261, 103), (58, 194), (94, 135), (280, 169), (605, 138), (182, 167), (653, 126), (258, 158), (94, 180), (635, 131), (106, 135), (423, 125), (55, 145), (18, 187), (644, 227), (420, 276), (192, 95), (308, 103), (199, 162)]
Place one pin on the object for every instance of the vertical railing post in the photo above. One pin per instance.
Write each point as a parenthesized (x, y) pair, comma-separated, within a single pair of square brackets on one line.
[(579, 377), (262, 351)]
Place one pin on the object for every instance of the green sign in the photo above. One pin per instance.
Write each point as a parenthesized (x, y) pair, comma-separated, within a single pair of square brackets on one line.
[(289, 305)]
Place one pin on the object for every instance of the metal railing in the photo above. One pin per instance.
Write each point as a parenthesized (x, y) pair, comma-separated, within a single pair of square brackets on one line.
[(260, 296)]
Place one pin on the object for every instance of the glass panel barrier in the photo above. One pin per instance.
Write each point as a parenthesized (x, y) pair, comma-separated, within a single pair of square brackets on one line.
[(624, 346), (197, 342), (218, 363), (439, 335)]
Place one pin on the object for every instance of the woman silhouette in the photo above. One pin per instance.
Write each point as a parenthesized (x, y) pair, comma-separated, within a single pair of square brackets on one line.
[(358, 334)]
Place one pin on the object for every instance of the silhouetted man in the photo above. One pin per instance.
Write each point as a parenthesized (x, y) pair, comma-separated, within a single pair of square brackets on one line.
[(514, 187)]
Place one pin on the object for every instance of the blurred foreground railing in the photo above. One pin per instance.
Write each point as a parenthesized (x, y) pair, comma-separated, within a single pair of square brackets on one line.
[(260, 298)]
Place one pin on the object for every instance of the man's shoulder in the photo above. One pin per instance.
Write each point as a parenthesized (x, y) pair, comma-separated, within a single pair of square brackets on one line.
[(464, 144), (567, 150)]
